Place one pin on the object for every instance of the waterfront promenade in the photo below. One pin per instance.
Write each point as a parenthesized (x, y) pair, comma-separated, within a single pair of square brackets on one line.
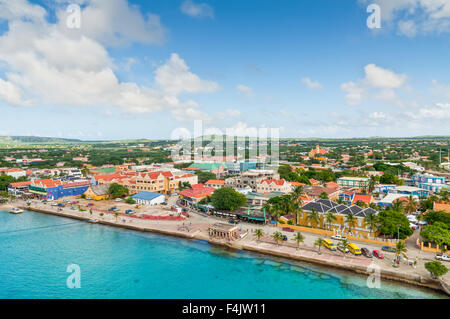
[(196, 227)]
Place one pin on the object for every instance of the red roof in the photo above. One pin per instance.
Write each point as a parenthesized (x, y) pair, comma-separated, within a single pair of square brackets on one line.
[(363, 198), (110, 177), (279, 182), (155, 175), (198, 191), (215, 181), (46, 183), (76, 184), (332, 185), (20, 184)]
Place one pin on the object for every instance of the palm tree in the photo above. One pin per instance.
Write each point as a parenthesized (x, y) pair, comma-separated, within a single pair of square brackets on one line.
[(299, 238), (117, 215), (319, 243), (313, 216), (272, 210), (411, 205), (398, 206), (323, 195), (258, 234), (350, 219), (344, 245), (277, 237), (330, 217), (400, 249), (372, 183), (371, 220), (298, 191)]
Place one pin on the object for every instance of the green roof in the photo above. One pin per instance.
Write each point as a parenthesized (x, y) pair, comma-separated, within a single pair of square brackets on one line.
[(106, 170), (207, 166)]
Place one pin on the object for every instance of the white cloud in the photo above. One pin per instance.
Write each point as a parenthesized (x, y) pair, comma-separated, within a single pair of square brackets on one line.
[(438, 111), (245, 90), (383, 80), (407, 28), (11, 94), (242, 129), (21, 9), (174, 78), (197, 10), (311, 84), (354, 94), (190, 114), (47, 64), (228, 114), (412, 17), (114, 23), (379, 116)]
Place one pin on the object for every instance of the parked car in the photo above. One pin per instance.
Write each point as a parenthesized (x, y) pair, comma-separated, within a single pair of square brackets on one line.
[(423, 223), (73, 208), (284, 237), (287, 229), (118, 199), (443, 257), (388, 249), (61, 205), (338, 237), (113, 209), (90, 204), (54, 204), (163, 203), (413, 226), (366, 252), (339, 247), (377, 254), (130, 211)]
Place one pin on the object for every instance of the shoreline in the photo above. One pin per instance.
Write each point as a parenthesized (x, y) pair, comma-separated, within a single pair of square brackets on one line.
[(417, 281)]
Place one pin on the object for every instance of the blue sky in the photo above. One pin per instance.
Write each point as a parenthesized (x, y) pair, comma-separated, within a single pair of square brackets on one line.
[(141, 69)]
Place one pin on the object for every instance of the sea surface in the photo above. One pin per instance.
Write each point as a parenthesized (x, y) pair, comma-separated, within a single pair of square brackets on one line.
[(36, 249)]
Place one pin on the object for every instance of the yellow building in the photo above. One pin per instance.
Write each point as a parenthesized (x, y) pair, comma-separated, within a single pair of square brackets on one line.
[(97, 192), (340, 211)]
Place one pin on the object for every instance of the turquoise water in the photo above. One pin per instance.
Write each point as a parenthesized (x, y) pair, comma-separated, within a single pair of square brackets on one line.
[(35, 250)]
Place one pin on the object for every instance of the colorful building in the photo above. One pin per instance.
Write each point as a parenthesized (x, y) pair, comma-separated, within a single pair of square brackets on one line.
[(429, 182), (195, 194), (359, 182), (274, 185), (97, 192), (149, 198), (50, 189), (340, 225)]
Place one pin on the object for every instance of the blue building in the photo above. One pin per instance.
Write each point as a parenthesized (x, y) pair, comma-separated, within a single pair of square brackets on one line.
[(245, 166), (429, 182), (149, 198), (384, 188), (50, 189)]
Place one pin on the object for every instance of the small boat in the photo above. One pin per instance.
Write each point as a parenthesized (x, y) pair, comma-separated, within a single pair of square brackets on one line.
[(15, 210), (93, 221)]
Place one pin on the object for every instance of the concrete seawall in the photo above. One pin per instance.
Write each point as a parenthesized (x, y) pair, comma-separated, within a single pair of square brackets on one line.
[(409, 279)]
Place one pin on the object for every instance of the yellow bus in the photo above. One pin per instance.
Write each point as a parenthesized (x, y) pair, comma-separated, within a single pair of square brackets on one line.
[(329, 244), (355, 250)]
